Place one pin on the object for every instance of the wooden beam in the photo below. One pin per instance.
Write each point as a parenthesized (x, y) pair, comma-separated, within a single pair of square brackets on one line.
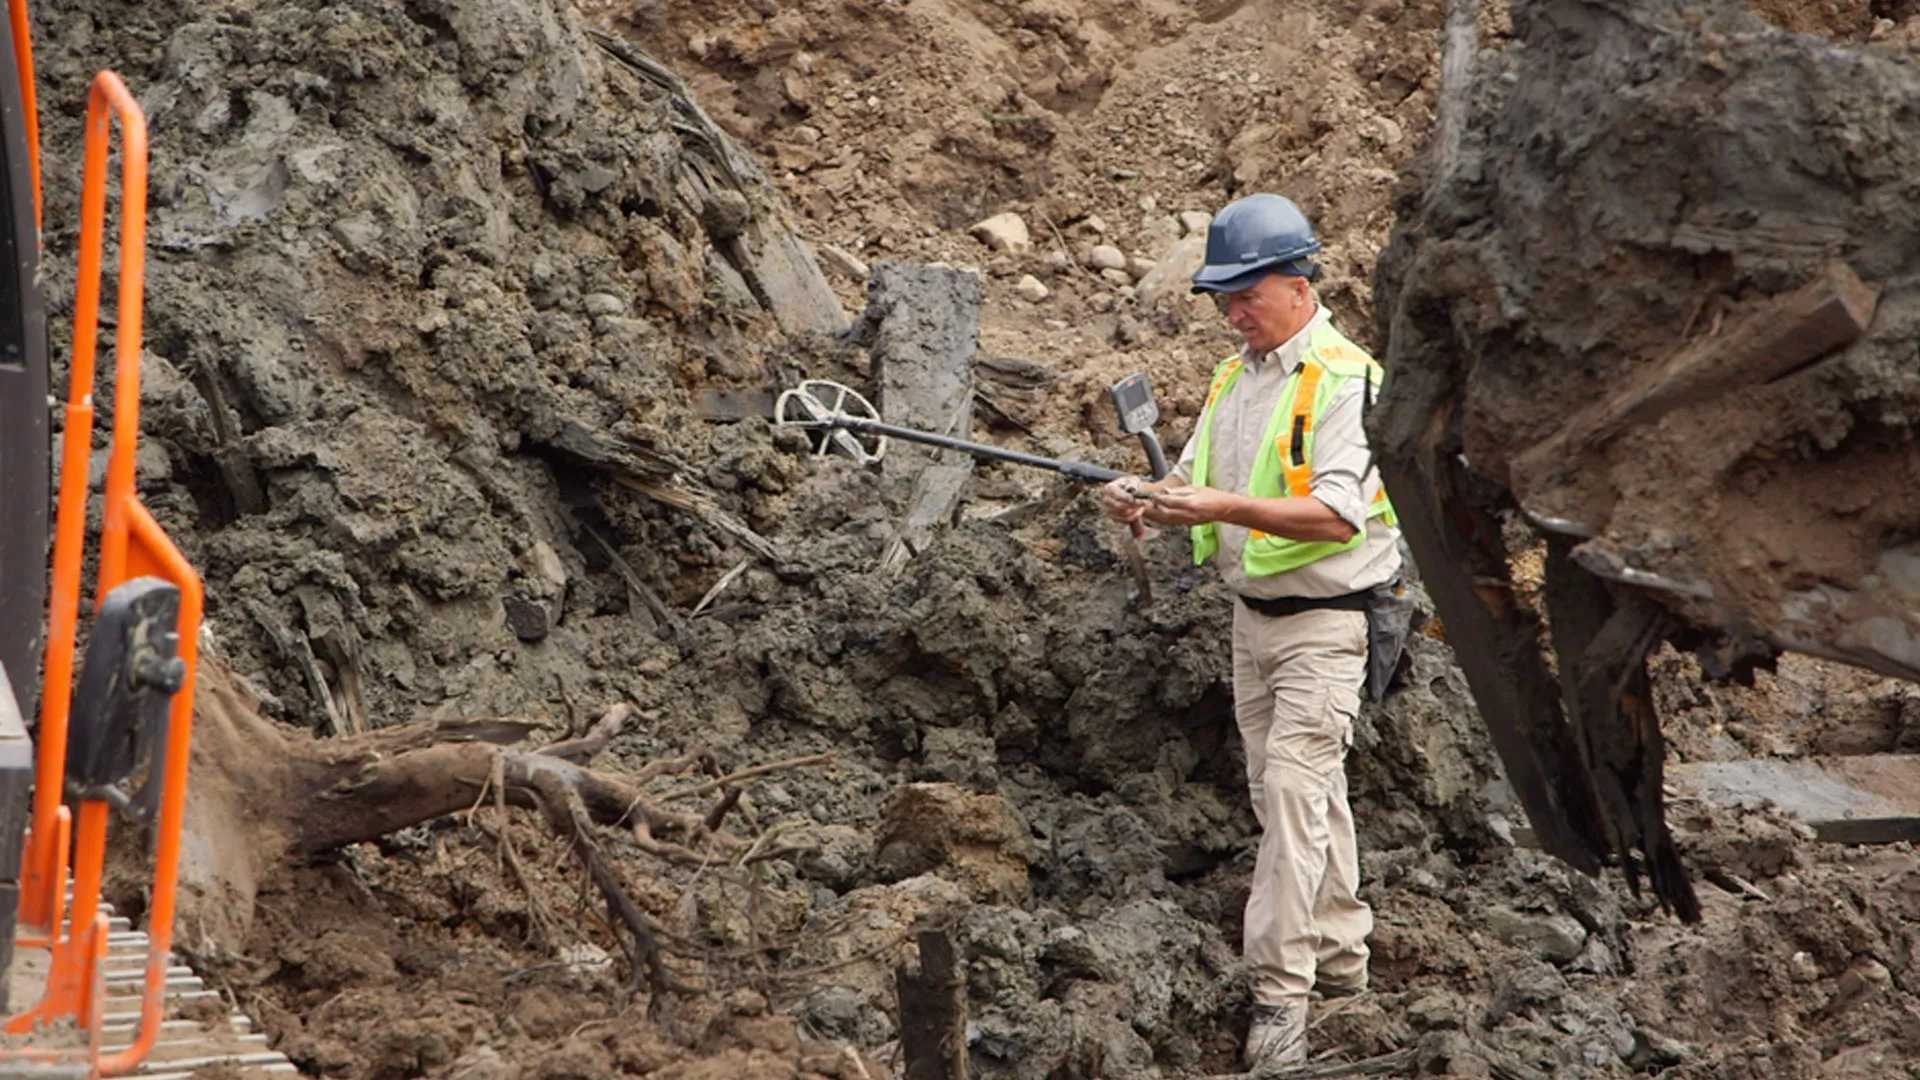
[(933, 1010), (1447, 516)]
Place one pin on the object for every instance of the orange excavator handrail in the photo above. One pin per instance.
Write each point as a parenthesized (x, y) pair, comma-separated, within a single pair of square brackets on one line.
[(132, 544), (29, 100)]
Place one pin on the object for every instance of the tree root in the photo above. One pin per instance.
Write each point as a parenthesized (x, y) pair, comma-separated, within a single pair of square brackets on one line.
[(298, 797), (567, 814)]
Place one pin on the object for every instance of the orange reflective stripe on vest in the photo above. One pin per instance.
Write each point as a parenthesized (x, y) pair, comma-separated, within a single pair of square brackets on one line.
[(1296, 462), (1220, 381)]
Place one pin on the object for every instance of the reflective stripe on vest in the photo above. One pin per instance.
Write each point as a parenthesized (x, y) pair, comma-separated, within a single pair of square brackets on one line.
[(1295, 464), (1330, 360)]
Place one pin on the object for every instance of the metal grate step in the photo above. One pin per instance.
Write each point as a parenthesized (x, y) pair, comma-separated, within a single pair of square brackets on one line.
[(184, 1046)]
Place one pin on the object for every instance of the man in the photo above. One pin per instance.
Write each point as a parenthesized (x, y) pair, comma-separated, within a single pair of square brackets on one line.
[(1277, 482)]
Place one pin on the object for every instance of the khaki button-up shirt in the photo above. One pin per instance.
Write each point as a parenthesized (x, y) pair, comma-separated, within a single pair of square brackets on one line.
[(1342, 478)]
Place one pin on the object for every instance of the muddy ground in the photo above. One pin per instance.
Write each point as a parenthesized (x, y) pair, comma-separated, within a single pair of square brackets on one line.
[(432, 289)]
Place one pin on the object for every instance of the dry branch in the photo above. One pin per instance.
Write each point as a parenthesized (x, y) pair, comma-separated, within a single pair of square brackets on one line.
[(604, 731), (748, 774)]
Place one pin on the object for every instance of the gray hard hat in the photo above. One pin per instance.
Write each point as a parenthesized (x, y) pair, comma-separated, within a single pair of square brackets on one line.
[(1252, 237)]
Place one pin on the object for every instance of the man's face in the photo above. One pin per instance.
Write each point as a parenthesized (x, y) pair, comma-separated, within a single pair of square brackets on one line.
[(1270, 312)]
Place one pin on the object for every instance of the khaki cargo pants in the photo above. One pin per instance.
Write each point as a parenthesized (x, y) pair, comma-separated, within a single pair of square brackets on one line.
[(1296, 691)]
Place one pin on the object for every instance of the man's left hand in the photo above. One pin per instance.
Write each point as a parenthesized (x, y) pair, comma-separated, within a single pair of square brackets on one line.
[(1189, 505)]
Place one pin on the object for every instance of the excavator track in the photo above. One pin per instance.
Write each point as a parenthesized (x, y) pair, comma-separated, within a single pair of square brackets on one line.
[(199, 1031)]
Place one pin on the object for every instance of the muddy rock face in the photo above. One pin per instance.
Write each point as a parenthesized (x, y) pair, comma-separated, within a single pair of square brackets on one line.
[(400, 256)]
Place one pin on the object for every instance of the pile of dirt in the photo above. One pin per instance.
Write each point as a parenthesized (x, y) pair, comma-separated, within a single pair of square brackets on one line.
[(892, 128), (432, 291)]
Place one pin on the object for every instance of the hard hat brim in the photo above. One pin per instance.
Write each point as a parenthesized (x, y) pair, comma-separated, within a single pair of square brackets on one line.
[(1230, 279)]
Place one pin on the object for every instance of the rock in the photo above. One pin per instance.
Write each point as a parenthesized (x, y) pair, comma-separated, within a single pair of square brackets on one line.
[(1106, 257), (1556, 937), (1030, 289), (1652, 1051), (1802, 969), (1139, 267), (839, 858), (1451, 1053), (483, 1063), (1004, 232), (1157, 231), (1524, 988), (1095, 225), (1102, 302), (746, 1001), (1865, 980), (528, 617), (600, 303), (806, 135), (855, 1005), (548, 562), (1173, 272), (963, 756), (1440, 1010), (973, 839), (1194, 222), (1117, 278), (844, 263)]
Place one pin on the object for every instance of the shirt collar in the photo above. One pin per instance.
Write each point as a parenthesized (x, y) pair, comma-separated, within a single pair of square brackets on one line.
[(1294, 349)]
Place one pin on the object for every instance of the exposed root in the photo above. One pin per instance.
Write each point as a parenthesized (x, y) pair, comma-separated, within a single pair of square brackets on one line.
[(564, 810), (748, 774)]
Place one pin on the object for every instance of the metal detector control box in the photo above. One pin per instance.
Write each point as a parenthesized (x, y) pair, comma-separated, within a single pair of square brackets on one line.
[(1133, 401)]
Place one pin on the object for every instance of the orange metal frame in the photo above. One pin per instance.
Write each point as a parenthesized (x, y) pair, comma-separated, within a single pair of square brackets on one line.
[(29, 99), (132, 544)]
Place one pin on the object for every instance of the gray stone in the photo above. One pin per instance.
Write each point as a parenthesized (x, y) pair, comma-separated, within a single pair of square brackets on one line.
[(1440, 1010), (840, 857), (1106, 257), (600, 303), (1194, 222), (1551, 937), (1173, 272)]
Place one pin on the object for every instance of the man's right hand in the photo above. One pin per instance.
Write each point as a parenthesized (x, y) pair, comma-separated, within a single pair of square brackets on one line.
[(1121, 504)]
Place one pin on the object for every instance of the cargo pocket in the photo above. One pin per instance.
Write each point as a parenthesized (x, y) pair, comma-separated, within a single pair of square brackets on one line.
[(1311, 734)]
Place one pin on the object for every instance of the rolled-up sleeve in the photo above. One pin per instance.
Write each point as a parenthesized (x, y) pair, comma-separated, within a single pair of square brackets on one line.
[(1340, 457), (1183, 469)]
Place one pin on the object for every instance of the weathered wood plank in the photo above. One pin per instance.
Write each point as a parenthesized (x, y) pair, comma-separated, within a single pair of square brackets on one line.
[(924, 326), (933, 1011)]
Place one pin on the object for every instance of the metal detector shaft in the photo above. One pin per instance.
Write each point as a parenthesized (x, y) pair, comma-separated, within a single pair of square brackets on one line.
[(1079, 470)]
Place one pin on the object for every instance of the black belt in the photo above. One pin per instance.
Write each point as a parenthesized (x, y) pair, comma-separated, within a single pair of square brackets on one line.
[(1293, 605)]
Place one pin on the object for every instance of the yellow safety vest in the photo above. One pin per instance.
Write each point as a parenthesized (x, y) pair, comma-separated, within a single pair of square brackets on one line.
[(1284, 466)]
